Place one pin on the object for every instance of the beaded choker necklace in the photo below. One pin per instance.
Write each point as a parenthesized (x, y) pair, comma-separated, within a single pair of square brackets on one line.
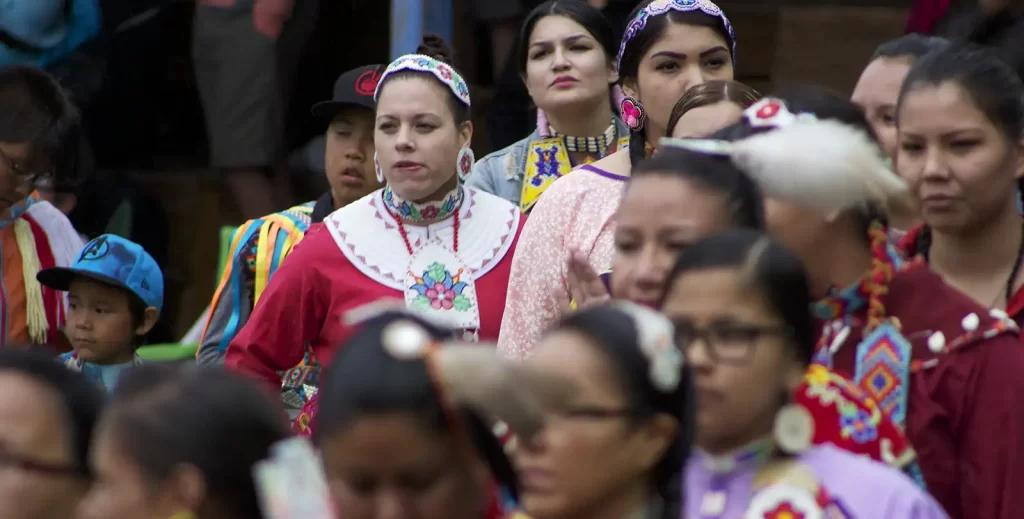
[(599, 144), (424, 212)]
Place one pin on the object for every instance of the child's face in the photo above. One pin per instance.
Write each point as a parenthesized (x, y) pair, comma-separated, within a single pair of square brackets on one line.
[(99, 323)]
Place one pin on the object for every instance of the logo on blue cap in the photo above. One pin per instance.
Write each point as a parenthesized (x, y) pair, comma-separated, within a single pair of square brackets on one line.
[(115, 261)]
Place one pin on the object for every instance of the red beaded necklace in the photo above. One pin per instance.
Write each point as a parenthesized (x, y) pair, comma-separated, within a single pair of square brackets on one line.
[(405, 235)]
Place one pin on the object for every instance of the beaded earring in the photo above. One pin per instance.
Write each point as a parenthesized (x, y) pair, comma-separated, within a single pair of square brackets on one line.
[(465, 162), (794, 429), (633, 113)]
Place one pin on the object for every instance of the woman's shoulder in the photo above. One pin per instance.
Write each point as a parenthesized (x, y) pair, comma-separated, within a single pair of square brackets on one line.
[(505, 163), (852, 477)]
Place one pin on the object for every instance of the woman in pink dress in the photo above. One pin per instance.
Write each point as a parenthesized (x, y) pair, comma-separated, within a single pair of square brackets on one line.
[(424, 238), (669, 47)]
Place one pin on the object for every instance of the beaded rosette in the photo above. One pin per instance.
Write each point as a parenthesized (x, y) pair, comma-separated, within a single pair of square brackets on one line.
[(787, 489), (660, 7)]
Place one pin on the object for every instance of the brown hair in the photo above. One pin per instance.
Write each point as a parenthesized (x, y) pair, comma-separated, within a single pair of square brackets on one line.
[(710, 93)]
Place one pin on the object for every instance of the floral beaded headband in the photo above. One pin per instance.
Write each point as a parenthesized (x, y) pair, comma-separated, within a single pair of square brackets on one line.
[(660, 7), (420, 63)]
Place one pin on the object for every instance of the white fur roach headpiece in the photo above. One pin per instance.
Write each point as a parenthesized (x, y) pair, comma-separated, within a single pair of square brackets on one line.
[(818, 163)]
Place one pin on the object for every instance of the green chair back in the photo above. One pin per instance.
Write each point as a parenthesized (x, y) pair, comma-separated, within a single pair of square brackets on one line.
[(168, 352)]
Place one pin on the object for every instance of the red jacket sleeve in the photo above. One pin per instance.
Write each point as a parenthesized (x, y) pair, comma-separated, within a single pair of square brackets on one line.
[(991, 429), (290, 313)]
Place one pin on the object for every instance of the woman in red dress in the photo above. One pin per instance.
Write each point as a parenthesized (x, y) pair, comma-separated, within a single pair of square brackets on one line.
[(424, 238)]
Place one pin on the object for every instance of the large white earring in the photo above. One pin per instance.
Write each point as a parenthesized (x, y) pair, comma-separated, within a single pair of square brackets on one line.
[(376, 168), (465, 161), (794, 429)]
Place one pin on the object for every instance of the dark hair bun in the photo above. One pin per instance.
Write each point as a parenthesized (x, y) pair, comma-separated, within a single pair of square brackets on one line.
[(434, 46)]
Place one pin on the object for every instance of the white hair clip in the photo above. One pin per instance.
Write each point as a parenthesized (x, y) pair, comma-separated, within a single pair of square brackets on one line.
[(772, 112), (706, 146), (656, 338), (405, 340)]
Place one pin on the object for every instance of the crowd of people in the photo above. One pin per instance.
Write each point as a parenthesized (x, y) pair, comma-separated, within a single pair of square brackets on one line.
[(677, 297)]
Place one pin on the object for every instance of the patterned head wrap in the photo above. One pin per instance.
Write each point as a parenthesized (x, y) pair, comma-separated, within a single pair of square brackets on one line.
[(660, 7), (440, 70)]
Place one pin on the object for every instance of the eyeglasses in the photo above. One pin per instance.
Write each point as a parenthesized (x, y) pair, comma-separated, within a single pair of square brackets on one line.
[(9, 460), (23, 175), (726, 342)]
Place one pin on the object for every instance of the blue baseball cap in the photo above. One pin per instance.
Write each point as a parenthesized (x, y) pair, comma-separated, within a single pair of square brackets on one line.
[(115, 261)]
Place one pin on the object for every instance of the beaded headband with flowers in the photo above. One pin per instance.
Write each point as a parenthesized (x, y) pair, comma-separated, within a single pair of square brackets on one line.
[(420, 63), (660, 7), (656, 337)]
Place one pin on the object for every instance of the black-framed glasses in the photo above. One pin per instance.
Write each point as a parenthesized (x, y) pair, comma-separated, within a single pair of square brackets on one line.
[(726, 342), (19, 172), (24, 463)]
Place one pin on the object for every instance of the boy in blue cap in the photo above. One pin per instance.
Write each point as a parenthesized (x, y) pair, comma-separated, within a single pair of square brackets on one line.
[(115, 294)]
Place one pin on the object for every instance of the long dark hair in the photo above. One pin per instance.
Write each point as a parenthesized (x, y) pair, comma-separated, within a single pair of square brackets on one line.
[(80, 400), (989, 82), (582, 13), (365, 380), (639, 44), (218, 421), (616, 335), (775, 272), (719, 174)]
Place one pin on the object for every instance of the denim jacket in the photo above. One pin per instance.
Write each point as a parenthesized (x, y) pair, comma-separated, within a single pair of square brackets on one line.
[(501, 173)]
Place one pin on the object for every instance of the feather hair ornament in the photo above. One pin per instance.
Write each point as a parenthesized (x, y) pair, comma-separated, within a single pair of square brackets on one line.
[(821, 164), (470, 375)]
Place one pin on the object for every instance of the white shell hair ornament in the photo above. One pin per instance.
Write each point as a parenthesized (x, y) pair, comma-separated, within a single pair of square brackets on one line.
[(405, 340), (818, 163), (656, 339)]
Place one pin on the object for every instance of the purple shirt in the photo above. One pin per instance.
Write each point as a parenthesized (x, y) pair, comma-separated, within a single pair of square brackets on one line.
[(864, 488)]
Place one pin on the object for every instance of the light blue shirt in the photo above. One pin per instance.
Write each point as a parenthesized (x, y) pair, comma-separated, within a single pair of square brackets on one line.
[(42, 23)]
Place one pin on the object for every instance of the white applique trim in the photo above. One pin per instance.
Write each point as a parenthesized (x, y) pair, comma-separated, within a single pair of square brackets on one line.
[(368, 236), (999, 314), (970, 322)]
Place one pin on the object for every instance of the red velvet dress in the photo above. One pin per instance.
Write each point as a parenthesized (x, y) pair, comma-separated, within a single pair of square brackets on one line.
[(944, 368), (358, 256)]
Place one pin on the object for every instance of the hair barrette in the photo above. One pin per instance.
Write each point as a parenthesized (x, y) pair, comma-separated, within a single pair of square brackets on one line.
[(655, 335), (772, 112)]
